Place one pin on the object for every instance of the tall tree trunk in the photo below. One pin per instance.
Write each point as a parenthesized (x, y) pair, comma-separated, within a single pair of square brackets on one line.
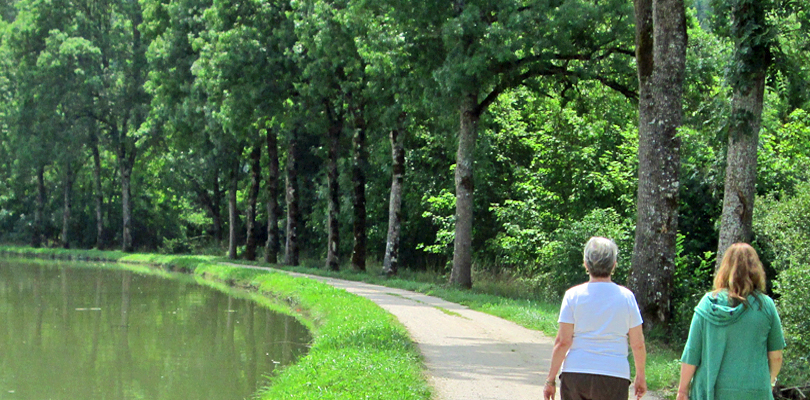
[(746, 119), (741, 168), (391, 259), (292, 199), (36, 236), (359, 165), (253, 195), (126, 204), (138, 100), (333, 226), (661, 72), (67, 195), (271, 248), (98, 195), (232, 217), (216, 208), (461, 275)]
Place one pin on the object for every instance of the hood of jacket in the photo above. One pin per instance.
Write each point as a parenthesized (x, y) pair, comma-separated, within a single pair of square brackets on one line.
[(716, 309)]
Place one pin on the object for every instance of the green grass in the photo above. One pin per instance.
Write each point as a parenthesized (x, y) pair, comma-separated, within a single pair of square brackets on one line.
[(359, 351)]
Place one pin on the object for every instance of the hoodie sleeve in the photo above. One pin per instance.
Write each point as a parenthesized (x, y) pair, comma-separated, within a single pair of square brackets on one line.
[(693, 350), (776, 339), (694, 344)]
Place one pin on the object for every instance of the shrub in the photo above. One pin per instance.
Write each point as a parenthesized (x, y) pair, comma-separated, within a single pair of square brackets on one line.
[(782, 227), (693, 278), (553, 262)]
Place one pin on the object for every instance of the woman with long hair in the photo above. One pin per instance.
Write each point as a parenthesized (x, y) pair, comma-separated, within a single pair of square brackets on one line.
[(734, 349)]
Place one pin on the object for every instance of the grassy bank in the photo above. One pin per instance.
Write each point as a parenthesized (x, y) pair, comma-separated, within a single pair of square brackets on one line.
[(359, 351)]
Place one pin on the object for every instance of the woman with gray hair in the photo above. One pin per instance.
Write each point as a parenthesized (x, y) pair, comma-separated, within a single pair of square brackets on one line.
[(597, 320)]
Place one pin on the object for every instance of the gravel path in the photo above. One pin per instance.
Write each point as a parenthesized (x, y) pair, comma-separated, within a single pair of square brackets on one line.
[(469, 355)]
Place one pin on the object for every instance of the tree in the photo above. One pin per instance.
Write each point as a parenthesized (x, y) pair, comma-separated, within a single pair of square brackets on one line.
[(271, 247), (753, 36), (390, 260), (488, 48), (661, 57), (34, 41), (333, 79), (242, 69), (180, 102), (253, 194), (292, 197)]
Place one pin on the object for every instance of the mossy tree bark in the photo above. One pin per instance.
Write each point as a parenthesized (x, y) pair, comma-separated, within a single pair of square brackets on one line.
[(391, 258), (752, 57), (359, 165), (98, 195), (461, 274), (271, 247), (36, 234), (661, 56), (67, 195), (232, 211), (253, 195), (292, 199), (333, 226)]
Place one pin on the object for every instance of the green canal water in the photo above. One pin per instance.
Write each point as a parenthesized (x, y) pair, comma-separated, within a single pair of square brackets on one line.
[(80, 333)]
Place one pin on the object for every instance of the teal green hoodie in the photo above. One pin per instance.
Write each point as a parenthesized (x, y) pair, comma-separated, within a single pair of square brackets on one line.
[(730, 345)]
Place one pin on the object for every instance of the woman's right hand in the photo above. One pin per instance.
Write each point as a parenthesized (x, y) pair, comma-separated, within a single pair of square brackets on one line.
[(549, 391), (682, 396)]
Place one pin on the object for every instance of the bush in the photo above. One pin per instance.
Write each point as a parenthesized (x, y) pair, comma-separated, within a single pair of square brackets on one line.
[(794, 287), (175, 246), (782, 227), (553, 262), (693, 278)]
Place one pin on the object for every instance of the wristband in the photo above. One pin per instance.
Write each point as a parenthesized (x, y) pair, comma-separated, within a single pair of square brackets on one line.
[(551, 382)]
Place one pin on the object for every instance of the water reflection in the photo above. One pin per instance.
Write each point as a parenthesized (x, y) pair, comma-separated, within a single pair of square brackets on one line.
[(83, 333)]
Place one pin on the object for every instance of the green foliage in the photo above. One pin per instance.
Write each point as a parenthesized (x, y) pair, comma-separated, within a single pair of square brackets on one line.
[(781, 225), (554, 261), (794, 288), (439, 210), (561, 257), (692, 279), (785, 152)]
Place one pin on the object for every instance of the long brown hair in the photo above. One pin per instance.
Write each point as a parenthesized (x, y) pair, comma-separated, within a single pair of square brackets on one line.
[(740, 273)]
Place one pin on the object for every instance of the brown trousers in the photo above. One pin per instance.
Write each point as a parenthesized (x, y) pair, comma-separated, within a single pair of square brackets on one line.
[(576, 386)]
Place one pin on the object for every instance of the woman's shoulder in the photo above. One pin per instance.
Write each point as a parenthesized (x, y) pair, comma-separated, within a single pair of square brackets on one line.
[(763, 299), (707, 299), (625, 291)]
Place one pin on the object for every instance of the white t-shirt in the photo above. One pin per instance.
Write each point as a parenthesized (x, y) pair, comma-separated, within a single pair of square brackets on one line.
[(602, 314)]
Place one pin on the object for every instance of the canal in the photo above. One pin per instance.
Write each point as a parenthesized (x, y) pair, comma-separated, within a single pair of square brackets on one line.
[(79, 332)]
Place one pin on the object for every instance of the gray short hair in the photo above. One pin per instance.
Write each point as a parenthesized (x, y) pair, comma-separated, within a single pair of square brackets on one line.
[(600, 256)]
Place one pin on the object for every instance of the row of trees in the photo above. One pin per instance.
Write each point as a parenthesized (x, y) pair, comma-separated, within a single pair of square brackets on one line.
[(467, 132)]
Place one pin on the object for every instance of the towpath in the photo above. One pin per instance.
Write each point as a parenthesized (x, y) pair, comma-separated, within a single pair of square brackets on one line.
[(469, 355)]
